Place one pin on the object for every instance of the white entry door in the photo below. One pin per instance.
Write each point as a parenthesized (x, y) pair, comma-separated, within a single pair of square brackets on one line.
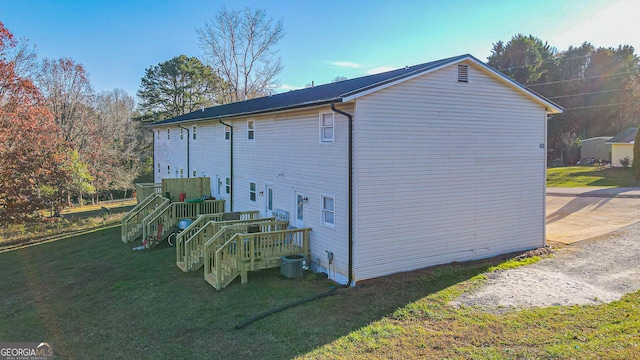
[(268, 200), (298, 209)]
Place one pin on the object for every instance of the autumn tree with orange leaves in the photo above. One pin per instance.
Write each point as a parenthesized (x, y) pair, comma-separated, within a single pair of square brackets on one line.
[(32, 153)]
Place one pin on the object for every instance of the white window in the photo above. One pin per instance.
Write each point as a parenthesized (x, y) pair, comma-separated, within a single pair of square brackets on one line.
[(158, 168), (168, 170), (181, 172), (168, 134), (193, 130), (158, 134), (227, 186), (252, 192), (194, 173), (326, 128), (328, 210), (227, 132), (181, 135), (251, 127)]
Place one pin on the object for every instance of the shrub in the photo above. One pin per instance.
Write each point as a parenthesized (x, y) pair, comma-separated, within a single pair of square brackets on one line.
[(625, 162)]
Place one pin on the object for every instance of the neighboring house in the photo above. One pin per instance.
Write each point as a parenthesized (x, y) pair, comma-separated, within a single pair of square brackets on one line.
[(424, 165), (596, 148), (622, 146)]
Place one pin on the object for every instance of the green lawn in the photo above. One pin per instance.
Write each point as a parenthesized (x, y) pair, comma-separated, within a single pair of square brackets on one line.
[(93, 297), (585, 176)]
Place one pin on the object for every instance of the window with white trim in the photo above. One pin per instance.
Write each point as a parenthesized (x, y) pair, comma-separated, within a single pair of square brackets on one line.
[(158, 168), (252, 192), (326, 128), (181, 172), (195, 173), (194, 133), (181, 135), (158, 134), (227, 185), (168, 134), (251, 129), (328, 210), (227, 132), (169, 170)]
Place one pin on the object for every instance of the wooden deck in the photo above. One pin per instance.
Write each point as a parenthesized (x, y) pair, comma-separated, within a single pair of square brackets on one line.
[(245, 252), (144, 190), (190, 252), (169, 214)]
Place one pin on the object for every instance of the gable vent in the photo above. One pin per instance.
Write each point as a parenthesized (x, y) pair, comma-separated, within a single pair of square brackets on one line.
[(463, 73)]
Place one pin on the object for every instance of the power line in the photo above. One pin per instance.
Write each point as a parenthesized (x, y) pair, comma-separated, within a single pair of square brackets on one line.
[(584, 78), (587, 93), (603, 105)]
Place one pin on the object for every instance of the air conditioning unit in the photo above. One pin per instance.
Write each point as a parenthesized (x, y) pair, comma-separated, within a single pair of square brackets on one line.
[(291, 266), (281, 214)]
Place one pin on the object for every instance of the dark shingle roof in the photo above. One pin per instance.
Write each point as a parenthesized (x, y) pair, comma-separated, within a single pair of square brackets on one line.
[(627, 136), (316, 95), (333, 92)]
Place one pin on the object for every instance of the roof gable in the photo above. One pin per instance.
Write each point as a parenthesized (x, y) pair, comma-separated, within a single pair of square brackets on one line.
[(342, 91)]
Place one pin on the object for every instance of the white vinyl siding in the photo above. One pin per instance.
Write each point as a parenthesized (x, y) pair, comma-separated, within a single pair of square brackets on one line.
[(289, 156), (446, 171)]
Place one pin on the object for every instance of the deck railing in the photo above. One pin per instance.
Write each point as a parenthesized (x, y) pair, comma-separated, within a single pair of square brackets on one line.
[(191, 230), (143, 190), (170, 214), (189, 252), (132, 222), (249, 252)]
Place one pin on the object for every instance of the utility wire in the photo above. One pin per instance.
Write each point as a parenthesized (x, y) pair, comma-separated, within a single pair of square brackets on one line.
[(603, 105), (587, 93), (584, 78)]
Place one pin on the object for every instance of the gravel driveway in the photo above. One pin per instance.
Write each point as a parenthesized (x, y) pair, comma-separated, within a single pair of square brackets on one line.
[(593, 271)]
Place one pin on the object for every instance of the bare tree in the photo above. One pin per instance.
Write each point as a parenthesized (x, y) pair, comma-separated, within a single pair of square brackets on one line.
[(240, 44), (118, 161), (24, 58), (69, 96)]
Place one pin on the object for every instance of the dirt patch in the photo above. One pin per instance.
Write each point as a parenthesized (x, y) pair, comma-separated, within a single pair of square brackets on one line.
[(594, 271)]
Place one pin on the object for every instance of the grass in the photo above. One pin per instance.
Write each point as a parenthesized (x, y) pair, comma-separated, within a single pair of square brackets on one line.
[(92, 296), (586, 176)]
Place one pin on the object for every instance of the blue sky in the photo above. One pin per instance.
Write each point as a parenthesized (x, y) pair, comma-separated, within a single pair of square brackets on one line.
[(116, 40)]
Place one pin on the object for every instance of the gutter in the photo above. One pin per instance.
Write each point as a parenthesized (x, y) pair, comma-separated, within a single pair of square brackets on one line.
[(188, 171), (230, 162), (350, 176)]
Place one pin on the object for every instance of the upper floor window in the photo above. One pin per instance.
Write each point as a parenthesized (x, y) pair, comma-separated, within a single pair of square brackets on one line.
[(194, 173), (168, 170), (227, 185), (181, 135), (193, 131), (168, 134), (227, 132), (251, 127), (158, 168), (181, 172), (158, 134), (326, 128)]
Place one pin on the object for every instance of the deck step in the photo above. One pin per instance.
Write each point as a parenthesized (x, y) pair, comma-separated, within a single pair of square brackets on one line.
[(182, 265)]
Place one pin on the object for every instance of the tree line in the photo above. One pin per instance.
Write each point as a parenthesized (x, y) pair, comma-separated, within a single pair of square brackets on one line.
[(61, 141), (598, 87)]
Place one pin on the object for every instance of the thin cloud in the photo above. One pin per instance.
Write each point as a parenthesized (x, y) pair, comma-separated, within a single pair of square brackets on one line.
[(285, 87), (346, 64), (379, 70)]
